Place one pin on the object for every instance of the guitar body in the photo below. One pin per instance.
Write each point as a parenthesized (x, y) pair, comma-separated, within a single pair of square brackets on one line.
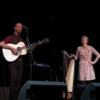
[(9, 56)]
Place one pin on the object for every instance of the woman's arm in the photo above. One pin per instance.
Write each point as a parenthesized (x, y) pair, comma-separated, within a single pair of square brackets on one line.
[(97, 55), (76, 56)]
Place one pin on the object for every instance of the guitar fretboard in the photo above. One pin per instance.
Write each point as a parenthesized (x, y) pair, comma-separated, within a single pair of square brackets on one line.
[(35, 44), (31, 45)]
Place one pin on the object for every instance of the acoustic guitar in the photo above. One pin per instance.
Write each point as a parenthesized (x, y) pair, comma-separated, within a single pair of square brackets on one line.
[(22, 50)]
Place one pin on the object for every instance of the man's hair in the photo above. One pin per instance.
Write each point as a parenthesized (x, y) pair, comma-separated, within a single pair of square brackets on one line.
[(17, 23)]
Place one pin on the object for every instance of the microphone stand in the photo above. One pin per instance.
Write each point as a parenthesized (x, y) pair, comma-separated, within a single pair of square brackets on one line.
[(31, 53)]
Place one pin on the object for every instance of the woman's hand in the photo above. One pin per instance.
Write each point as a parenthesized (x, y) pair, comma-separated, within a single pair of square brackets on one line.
[(72, 55), (91, 62)]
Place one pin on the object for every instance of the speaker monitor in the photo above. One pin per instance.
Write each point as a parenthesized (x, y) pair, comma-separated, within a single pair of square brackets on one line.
[(92, 92), (79, 89), (35, 90)]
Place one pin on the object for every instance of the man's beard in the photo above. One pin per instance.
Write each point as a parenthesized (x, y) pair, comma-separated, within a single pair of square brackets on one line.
[(18, 32)]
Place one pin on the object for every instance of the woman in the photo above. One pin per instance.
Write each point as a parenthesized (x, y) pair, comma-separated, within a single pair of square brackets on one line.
[(84, 52)]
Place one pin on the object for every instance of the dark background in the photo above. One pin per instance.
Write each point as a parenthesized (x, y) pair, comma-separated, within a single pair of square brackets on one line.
[(62, 22)]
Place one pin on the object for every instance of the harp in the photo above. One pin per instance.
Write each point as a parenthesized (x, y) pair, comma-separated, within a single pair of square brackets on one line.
[(68, 64)]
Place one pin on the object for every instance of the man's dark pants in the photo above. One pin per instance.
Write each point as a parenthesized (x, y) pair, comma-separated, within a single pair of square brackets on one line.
[(16, 70)]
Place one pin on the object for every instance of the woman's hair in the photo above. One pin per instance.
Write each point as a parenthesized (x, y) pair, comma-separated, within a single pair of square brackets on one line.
[(86, 37)]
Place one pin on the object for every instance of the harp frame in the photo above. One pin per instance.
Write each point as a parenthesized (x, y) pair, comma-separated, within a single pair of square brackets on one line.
[(70, 60)]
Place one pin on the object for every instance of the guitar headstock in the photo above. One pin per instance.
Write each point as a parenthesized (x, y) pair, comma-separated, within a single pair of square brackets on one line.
[(45, 40)]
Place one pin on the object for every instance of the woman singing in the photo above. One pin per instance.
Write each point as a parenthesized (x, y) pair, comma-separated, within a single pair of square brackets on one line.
[(84, 53)]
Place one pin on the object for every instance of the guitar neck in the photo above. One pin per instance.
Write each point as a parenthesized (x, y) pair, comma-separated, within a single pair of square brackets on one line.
[(31, 45)]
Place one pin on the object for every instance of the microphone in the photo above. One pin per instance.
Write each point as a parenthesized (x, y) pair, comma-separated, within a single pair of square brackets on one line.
[(24, 27)]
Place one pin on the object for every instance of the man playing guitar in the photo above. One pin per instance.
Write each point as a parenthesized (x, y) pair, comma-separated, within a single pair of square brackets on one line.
[(16, 67)]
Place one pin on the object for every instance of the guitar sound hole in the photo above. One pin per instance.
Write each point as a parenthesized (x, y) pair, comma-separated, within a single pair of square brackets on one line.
[(19, 49)]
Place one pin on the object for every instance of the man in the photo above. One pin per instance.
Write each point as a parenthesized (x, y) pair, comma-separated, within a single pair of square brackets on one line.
[(15, 67)]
